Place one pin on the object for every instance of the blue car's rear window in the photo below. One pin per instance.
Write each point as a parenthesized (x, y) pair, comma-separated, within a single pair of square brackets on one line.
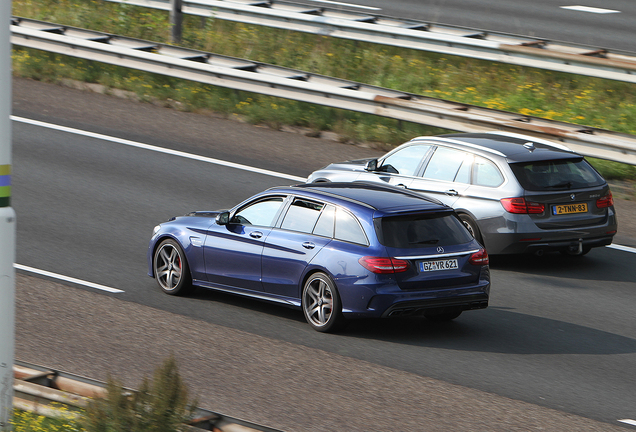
[(421, 230)]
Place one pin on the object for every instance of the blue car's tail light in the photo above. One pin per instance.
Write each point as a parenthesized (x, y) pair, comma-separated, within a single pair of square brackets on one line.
[(479, 258), (383, 265)]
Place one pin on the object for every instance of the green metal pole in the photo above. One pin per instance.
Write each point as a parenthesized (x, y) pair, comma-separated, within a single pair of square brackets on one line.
[(7, 226)]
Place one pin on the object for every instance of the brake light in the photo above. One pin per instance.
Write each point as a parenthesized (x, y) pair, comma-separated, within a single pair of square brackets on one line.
[(479, 258), (521, 206), (383, 265), (606, 201)]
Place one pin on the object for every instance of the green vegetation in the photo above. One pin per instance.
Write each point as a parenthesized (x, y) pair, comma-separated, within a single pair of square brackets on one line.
[(160, 405), (532, 92), (26, 421)]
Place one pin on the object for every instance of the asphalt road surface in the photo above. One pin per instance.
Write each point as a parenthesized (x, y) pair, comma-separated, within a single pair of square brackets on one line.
[(608, 24), (559, 333)]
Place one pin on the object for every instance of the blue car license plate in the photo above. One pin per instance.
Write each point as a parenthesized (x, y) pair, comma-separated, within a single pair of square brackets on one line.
[(447, 264)]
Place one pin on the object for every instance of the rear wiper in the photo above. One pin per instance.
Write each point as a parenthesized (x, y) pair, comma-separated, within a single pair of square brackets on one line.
[(562, 185), (431, 241)]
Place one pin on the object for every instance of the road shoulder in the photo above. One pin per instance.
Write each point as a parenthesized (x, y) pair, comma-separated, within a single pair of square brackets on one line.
[(262, 380)]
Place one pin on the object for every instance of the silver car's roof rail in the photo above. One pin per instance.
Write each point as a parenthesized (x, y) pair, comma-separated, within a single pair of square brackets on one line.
[(459, 142), (532, 139)]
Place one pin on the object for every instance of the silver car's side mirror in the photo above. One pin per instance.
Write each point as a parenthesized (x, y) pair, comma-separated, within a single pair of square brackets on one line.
[(223, 218), (371, 165)]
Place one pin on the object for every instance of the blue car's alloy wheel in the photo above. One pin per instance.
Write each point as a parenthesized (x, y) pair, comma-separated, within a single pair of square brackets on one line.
[(321, 303), (171, 268)]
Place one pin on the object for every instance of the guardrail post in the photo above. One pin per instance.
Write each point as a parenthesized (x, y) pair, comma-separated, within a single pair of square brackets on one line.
[(7, 227), (176, 19)]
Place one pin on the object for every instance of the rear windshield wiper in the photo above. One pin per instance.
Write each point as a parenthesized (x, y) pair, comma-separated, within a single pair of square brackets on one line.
[(562, 185), (431, 241)]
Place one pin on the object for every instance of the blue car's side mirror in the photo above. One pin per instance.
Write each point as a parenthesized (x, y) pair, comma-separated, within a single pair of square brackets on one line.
[(223, 218)]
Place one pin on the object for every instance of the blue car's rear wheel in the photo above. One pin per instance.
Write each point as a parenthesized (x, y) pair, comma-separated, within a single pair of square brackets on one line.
[(171, 268), (321, 303)]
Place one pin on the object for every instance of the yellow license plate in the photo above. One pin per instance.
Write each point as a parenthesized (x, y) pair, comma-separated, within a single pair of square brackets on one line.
[(569, 208)]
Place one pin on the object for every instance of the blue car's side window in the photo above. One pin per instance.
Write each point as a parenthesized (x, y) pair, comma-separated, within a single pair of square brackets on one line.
[(348, 228), (302, 215), (261, 213), (324, 226)]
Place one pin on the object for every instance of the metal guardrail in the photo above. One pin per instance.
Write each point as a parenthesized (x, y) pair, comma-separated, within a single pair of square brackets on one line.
[(302, 86), (420, 35), (45, 391)]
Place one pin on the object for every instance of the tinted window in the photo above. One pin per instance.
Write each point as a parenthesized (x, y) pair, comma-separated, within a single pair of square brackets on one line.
[(444, 164), (463, 175), (405, 161), (324, 227), (556, 175), (486, 173), (418, 231), (260, 213), (302, 215), (348, 228)]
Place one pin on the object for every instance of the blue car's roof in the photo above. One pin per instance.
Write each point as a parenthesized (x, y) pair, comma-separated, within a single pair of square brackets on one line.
[(384, 198)]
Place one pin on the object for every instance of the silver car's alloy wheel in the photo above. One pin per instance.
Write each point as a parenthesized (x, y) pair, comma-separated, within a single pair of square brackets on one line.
[(471, 226), (171, 268), (321, 304)]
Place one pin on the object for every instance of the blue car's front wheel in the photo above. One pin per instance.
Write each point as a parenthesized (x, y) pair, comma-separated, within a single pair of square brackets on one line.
[(171, 268), (321, 303)]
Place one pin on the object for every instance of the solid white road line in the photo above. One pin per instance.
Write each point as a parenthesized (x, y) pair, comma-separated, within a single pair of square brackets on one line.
[(590, 9), (347, 4), (622, 248), (629, 422), (193, 156), (158, 149), (67, 278)]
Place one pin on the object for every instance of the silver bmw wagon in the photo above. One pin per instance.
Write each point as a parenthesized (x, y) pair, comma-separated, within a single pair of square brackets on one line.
[(514, 193)]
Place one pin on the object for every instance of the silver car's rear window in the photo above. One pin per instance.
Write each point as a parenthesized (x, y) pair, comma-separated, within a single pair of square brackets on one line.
[(556, 175), (421, 230)]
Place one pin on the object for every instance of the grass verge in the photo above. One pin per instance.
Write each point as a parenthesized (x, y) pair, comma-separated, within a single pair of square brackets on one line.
[(161, 404), (576, 99)]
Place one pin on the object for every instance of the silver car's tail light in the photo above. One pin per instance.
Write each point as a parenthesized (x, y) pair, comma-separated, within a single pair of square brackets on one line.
[(521, 206), (606, 201)]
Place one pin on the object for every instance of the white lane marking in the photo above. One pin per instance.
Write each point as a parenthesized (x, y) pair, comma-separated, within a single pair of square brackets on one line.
[(158, 149), (590, 9), (192, 156), (629, 422), (66, 278), (347, 4), (622, 248)]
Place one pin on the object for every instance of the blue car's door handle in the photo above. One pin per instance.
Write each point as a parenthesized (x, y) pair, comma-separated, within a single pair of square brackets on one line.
[(256, 234), (309, 245)]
